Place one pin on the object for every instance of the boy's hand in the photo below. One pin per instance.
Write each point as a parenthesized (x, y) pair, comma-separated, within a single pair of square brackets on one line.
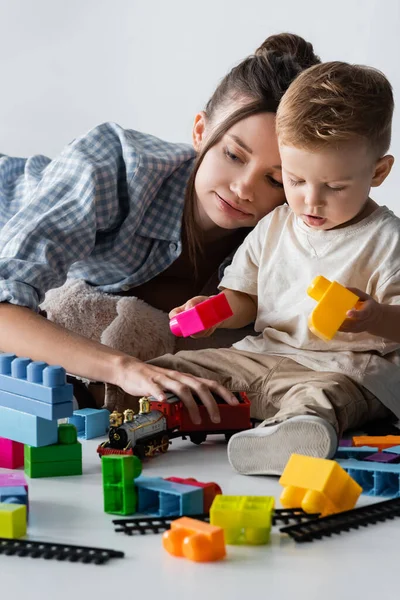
[(190, 304), (365, 316)]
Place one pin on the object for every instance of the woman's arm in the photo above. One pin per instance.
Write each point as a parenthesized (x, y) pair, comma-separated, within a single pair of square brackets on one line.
[(26, 333)]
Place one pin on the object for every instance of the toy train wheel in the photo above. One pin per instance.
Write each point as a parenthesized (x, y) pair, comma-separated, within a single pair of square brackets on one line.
[(198, 437), (164, 444), (139, 451)]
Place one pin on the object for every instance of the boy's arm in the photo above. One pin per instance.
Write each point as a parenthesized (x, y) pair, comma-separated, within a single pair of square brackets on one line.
[(244, 308)]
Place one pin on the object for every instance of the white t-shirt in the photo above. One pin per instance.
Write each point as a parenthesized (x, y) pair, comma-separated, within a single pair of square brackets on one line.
[(278, 261)]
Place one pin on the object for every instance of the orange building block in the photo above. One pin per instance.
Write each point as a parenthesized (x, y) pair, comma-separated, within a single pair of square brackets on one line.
[(195, 540), (379, 441), (317, 485), (334, 300)]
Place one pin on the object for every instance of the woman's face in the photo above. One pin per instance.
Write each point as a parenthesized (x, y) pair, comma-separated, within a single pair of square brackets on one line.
[(240, 178)]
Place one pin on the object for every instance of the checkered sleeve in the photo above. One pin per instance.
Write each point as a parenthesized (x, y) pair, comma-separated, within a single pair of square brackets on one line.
[(77, 197)]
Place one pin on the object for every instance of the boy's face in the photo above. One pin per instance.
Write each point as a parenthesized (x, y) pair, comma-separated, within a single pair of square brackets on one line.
[(328, 187), (240, 179)]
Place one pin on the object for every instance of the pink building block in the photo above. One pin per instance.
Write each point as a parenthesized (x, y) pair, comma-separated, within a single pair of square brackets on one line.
[(212, 311), (11, 454), (13, 480)]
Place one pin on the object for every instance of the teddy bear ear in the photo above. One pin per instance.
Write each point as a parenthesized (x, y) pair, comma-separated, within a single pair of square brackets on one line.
[(139, 330)]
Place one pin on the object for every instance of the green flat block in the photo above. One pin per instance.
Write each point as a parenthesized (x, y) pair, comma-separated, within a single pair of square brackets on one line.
[(67, 434), (120, 499), (53, 469), (55, 453)]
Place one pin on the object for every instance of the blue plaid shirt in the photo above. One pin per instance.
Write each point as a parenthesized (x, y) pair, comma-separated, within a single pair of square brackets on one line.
[(107, 210)]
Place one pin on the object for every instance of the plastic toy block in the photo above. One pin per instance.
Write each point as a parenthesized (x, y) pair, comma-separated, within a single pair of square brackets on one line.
[(14, 495), (244, 519), (317, 485), (90, 422), (212, 311), (380, 441), (383, 457), (54, 453), (36, 407), (12, 480), (359, 453), (34, 380), (344, 442), (119, 492), (195, 540), (392, 450), (53, 469), (376, 479), (27, 429), (12, 520), (67, 434), (210, 490), (334, 300), (11, 454), (163, 498)]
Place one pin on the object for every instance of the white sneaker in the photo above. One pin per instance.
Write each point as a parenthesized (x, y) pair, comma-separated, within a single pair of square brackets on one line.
[(266, 450)]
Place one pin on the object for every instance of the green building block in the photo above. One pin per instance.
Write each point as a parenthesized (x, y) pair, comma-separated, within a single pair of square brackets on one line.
[(117, 469), (244, 519), (53, 469), (55, 453), (67, 434), (12, 520), (119, 492)]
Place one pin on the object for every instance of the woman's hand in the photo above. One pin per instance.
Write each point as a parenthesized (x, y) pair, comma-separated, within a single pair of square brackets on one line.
[(365, 316), (190, 304), (141, 379)]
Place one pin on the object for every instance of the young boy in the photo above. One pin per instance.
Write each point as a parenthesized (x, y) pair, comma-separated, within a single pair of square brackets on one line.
[(334, 127)]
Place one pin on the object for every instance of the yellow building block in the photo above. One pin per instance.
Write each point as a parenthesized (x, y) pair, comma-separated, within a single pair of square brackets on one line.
[(12, 520), (334, 300), (244, 519), (317, 485)]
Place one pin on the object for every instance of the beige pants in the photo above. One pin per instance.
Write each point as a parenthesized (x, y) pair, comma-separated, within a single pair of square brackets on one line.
[(279, 388)]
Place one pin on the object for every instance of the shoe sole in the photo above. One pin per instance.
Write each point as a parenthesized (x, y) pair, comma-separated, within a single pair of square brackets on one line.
[(268, 454)]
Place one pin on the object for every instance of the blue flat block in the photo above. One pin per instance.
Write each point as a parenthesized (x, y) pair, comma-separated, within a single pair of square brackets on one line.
[(35, 380), (90, 422), (27, 429), (14, 495), (36, 407), (354, 452), (376, 479), (163, 498)]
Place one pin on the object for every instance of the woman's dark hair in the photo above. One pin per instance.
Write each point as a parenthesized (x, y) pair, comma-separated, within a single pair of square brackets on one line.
[(259, 83)]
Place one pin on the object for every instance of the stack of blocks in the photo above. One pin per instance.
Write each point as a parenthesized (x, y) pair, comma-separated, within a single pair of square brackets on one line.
[(119, 493), (61, 459), (13, 505)]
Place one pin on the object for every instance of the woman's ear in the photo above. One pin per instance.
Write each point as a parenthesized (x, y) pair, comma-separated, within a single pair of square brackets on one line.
[(199, 128), (382, 169)]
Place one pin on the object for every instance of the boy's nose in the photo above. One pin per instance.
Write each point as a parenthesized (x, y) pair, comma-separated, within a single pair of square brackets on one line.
[(313, 198)]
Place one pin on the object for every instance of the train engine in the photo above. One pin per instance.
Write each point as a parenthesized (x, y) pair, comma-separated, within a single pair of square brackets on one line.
[(142, 434)]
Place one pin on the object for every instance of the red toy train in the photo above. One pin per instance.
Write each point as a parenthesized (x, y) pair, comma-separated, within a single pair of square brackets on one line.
[(157, 423)]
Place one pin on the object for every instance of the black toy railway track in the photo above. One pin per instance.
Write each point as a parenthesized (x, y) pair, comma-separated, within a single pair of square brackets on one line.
[(350, 519), (67, 552), (145, 525)]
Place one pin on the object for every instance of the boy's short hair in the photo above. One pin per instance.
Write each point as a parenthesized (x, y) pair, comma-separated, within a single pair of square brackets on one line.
[(336, 102)]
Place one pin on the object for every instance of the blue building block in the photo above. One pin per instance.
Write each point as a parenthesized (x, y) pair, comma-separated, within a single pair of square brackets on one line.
[(90, 422), (162, 498), (392, 450), (35, 380), (353, 452), (36, 407), (27, 429), (375, 478), (14, 495)]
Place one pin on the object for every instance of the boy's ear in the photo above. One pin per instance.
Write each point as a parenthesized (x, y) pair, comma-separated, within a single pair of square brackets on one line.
[(382, 169), (199, 128)]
